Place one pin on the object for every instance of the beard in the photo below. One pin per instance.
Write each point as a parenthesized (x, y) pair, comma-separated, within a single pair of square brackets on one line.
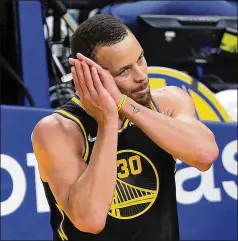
[(143, 100)]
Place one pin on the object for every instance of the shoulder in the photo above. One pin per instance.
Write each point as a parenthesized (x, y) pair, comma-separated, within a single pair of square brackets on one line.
[(51, 123), (172, 92), (171, 99), (53, 126), (54, 138)]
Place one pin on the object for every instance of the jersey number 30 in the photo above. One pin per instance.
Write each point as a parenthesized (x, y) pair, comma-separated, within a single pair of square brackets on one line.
[(130, 166)]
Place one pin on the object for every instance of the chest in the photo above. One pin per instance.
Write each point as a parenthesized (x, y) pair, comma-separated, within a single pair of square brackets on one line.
[(143, 168), (135, 147), (134, 140)]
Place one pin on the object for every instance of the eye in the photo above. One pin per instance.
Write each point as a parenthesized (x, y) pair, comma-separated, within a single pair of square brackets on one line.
[(140, 59), (124, 72)]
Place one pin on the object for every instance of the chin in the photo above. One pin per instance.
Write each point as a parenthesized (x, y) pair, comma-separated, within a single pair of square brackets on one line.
[(145, 100)]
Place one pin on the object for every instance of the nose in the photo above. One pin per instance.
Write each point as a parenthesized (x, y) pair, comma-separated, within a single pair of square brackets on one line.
[(139, 74)]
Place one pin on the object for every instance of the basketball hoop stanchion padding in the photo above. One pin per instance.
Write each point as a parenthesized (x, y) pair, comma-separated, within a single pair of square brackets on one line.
[(33, 52)]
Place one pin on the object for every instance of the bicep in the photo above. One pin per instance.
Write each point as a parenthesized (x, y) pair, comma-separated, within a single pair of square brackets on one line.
[(175, 102), (185, 111), (59, 162), (184, 108)]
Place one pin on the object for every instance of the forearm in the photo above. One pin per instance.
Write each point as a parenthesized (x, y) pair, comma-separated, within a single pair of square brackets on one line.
[(93, 192), (182, 140)]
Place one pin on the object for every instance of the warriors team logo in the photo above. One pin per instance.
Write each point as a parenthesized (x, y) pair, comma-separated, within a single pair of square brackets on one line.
[(207, 106), (137, 185)]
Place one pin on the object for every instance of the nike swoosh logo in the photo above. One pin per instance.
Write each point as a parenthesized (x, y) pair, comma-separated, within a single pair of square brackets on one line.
[(91, 139)]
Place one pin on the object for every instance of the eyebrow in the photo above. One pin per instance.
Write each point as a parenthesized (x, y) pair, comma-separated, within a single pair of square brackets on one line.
[(129, 65)]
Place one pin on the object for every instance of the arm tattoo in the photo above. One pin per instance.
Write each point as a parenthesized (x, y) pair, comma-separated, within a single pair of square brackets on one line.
[(135, 109)]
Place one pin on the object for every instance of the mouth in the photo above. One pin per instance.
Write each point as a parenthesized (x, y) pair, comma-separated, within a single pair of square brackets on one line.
[(143, 90)]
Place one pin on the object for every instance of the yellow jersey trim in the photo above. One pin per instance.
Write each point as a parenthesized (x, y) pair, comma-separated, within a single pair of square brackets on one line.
[(61, 231), (124, 126), (77, 101), (125, 122), (152, 106), (70, 116)]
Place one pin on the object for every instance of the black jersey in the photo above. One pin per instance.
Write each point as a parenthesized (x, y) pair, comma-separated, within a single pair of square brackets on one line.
[(144, 204)]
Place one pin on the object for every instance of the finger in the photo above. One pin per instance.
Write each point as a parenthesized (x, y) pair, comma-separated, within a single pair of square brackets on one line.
[(103, 75), (71, 61), (88, 79), (76, 82), (96, 80), (90, 62), (81, 78)]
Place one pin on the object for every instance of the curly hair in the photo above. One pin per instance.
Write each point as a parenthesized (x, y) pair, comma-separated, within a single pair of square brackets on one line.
[(98, 31)]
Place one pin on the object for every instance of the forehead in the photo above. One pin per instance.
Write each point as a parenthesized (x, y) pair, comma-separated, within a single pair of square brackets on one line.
[(119, 55)]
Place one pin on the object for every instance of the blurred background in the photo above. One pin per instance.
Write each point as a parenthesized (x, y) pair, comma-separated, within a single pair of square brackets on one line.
[(190, 44)]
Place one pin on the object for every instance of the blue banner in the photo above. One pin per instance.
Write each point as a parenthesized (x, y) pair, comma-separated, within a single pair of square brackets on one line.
[(207, 201), (33, 51)]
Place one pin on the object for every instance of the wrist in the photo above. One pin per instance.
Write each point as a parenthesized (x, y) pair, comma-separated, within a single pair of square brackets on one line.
[(118, 98), (130, 108), (109, 127), (109, 122), (122, 102)]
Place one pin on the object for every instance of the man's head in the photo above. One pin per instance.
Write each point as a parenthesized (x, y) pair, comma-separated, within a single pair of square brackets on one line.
[(111, 44)]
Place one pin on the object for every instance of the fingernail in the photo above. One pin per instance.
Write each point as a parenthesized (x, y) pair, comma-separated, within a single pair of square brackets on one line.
[(71, 61)]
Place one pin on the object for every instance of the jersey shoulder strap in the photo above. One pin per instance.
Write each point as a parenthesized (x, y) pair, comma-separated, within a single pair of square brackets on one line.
[(74, 111)]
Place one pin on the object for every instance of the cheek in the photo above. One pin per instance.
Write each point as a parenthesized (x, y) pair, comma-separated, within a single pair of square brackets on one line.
[(124, 84)]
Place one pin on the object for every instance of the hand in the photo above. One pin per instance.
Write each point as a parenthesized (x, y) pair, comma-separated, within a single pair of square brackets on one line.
[(94, 97), (105, 76)]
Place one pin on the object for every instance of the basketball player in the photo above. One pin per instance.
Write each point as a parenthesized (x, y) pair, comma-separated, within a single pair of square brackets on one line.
[(106, 158)]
